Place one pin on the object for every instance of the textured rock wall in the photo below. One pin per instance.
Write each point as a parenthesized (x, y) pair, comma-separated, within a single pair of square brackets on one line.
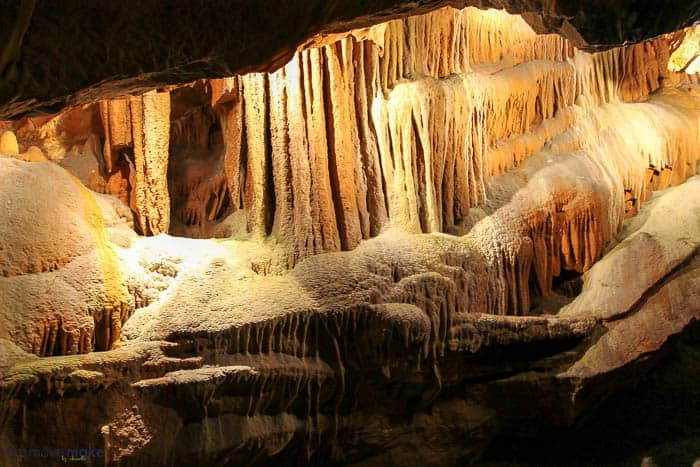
[(501, 90), (394, 201), (61, 283), (400, 125), (141, 125), (310, 369), (404, 124)]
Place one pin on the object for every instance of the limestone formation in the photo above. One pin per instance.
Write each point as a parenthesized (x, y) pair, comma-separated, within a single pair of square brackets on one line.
[(422, 241), (411, 129), (140, 126), (150, 131), (685, 57), (8, 144), (10, 147), (657, 249), (60, 286)]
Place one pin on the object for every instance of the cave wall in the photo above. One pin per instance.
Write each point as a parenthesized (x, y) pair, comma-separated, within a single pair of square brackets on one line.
[(402, 125), (390, 126), (388, 234)]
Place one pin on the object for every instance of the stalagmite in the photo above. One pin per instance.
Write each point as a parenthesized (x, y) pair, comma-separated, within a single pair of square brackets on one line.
[(34, 154), (8, 144)]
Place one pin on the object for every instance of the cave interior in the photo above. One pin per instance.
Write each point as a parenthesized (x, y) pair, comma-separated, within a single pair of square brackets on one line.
[(418, 233)]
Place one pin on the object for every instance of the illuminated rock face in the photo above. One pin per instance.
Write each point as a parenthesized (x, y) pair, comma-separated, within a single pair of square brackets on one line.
[(387, 127), (427, 223), (60, 279), (142, 126)]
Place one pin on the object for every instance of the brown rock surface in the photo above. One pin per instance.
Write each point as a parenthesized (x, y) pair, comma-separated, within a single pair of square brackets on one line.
[(61, 290), (662, 239), (390, 234), (150, 116)]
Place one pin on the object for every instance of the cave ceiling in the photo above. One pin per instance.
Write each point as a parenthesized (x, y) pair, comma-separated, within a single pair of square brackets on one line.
[(81, 52)]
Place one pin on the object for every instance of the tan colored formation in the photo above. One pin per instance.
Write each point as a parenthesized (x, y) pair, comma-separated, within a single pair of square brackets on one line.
[(458, 121), (142, 125), (463, 164), (61, 287), (10, 147), (687, 56), (405, 123), (401, 124), (331, 161)]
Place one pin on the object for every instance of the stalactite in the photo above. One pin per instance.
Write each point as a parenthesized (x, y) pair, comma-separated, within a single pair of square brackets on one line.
[(150, 117), (343, 139), (366, 86), (407, 122), (326, 235), (116, 121), (257, 195), (231, 114), (140, 127), (573, 202)]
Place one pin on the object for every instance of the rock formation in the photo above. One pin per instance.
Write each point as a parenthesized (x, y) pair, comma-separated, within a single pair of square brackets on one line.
[(61, 285), (407, 244), (141, 126)]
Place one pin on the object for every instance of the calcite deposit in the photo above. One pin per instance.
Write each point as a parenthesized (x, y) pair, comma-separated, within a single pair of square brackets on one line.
[(60, 279), (416, 242)]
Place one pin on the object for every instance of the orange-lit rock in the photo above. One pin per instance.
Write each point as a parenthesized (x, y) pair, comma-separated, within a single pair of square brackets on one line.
[(60, 278), (8, 144), (137, 134), (423, 242), (150, 116)]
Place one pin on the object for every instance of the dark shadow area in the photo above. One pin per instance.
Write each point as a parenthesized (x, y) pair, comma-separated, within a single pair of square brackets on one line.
[(657, 416)]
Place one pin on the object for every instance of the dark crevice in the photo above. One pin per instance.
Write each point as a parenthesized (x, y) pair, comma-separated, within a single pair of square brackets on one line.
[(656, 287)]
